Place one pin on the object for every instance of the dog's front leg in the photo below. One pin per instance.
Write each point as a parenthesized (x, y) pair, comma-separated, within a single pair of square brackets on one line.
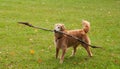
[(63, 53), (57, 52)]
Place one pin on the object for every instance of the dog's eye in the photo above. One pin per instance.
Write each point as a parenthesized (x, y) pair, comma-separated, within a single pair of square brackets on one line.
[(58, 27)]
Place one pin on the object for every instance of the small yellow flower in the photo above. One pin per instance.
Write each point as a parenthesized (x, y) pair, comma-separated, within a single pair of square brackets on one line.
[(32, 52)]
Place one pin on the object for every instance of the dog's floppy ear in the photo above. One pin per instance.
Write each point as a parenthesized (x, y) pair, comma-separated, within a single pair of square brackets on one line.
[(55, 25), (62, 27)]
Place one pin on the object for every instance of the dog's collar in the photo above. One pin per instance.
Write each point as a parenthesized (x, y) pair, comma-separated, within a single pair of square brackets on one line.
[(58, 33), (59, 38)]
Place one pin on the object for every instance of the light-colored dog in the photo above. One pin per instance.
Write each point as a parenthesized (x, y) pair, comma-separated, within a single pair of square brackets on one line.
[(63, 41)]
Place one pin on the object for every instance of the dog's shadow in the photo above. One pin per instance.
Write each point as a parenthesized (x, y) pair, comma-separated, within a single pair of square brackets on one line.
[(69, 61)]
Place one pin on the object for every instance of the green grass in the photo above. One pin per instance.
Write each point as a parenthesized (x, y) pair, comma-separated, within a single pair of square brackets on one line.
[(16, 41)]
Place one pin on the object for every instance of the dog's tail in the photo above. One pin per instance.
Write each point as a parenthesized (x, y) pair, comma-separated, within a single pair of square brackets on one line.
[(86, 25)]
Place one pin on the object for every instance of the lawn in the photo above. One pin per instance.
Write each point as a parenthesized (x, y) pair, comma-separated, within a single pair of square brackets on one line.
[(22, 47)]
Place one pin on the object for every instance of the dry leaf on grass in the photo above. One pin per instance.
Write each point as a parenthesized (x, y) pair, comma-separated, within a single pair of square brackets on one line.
[(39, 60), (12, 53)]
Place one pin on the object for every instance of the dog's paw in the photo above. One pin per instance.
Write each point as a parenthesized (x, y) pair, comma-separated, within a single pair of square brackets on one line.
[(72, 55), (61, 61), (91, 55)]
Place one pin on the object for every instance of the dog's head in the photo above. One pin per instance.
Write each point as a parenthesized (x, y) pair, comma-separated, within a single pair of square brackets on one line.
[(59, 27)]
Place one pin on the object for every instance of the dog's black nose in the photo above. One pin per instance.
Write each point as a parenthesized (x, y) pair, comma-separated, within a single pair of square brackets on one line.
[(55, 31)]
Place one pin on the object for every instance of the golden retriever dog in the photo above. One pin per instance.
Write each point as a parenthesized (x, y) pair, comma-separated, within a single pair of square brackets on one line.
[(63, 41)]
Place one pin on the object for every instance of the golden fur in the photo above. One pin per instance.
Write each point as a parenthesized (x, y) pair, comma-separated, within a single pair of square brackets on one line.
[(63, 41)]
